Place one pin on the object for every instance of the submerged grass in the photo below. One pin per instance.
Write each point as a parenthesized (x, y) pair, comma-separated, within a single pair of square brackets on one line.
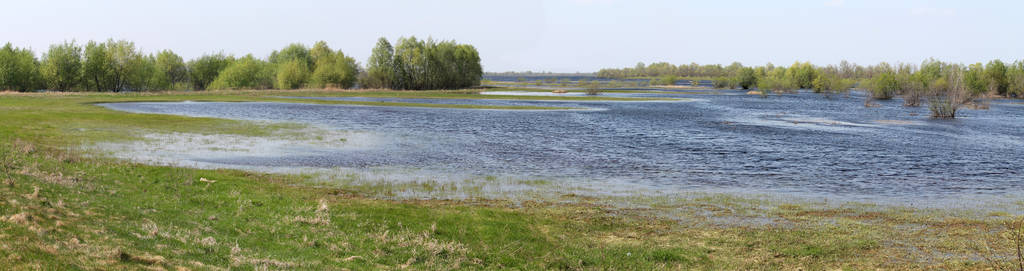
[(61, 210)]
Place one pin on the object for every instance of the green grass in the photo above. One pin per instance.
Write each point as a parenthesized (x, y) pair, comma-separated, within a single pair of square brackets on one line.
[(62, 210)]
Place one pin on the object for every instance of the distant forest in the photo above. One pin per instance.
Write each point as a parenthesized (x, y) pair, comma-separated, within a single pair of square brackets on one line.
[(118, 65)]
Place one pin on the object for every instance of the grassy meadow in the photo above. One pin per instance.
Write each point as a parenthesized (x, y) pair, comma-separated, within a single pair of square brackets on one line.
[(62, 209)]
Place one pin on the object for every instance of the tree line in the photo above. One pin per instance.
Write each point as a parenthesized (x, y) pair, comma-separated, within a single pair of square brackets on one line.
[(884, 80), (118, 65), (945, 87), (423, 64)]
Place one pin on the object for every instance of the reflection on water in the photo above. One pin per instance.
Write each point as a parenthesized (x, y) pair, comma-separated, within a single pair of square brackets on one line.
[(801, 144)]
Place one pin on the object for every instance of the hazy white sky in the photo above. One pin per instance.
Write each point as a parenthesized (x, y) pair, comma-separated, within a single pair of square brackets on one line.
[(556, 35)]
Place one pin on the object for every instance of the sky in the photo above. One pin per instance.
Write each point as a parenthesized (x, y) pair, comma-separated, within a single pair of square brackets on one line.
[(555, 35)]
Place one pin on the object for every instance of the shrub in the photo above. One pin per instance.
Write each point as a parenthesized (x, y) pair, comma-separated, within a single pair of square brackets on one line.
[(591, 87), (746, 78), (292, 74), (666, 80), (883, 86), (721, 82), (334, 71), (913, 90), (948, 94), (245, 73)]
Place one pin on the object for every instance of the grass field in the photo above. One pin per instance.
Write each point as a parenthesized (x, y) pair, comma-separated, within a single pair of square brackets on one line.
[(62, 209)]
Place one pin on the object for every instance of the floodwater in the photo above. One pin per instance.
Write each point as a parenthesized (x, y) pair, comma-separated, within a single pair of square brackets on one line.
[(795, 144)]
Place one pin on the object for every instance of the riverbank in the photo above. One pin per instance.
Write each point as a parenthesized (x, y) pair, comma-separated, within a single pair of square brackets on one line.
[(63, 209)]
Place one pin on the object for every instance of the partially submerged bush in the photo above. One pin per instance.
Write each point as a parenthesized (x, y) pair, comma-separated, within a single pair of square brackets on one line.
[(883, 86), (948, 95), (723, 83), (666, 80), (591, 88), (913, 91), (747, 78)]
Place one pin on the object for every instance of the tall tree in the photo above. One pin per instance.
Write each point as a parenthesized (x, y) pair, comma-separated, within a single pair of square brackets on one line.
[(61, 66), (170, 70), (19, 69), (995, 75), (203, 70), (98, 69), (294, 51), (380, 71), (334, 70)]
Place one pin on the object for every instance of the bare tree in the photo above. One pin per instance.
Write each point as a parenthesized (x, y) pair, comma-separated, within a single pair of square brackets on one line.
[(947, 97)]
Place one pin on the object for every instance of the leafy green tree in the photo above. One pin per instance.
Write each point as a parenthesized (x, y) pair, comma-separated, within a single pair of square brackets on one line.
[(61, 66), (426, 64), (334, 70), (205, 69), (245, 73), (97, 71), (19, 69), (995, 76), (320, 51), (129, 69), (380, 71), (1015, 79), (884, 86), (294, 51), (747, 78), (170, 70), (801, 75), (292, 74), (974, 78)]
